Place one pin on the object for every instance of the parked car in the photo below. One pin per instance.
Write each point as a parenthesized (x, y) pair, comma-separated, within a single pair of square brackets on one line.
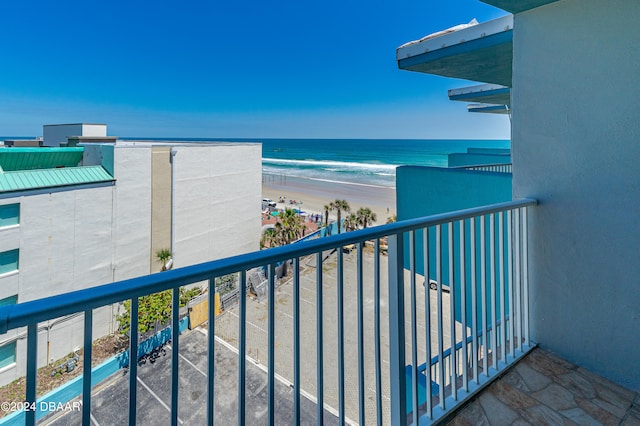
[(269, 202)]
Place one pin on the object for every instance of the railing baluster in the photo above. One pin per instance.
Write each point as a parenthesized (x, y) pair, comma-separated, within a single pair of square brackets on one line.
[(525, 273), (483, 292), (492, 260), (414, 328), (427, 310), (211, 354), (511, 280), (518, 281), (340, 289), (319, 344), (272, 344), (175, 337), (86, 365), (32, 372), (441, 364), (360, 334), (503, 289), (463, 305), (397, 373), (376, 325), (242, 343), (133, 361), (296, 340), (474, 299), (452, 314)]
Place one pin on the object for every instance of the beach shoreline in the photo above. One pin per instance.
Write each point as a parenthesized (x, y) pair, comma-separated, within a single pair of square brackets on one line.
[(315, 194)]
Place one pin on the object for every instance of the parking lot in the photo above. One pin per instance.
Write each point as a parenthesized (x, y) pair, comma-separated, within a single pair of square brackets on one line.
[(110, 400)]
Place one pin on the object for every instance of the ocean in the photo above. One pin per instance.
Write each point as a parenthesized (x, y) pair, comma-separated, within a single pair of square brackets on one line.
[(359, 161)]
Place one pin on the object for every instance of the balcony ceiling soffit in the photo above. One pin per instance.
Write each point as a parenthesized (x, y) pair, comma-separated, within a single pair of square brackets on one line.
[(517, 6), (482, 53), (484, 93), (488, 108)]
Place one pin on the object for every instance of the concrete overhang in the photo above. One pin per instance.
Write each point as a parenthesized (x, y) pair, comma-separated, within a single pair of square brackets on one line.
[(481, 52), (483, 93), (488, 108), (517, 6)]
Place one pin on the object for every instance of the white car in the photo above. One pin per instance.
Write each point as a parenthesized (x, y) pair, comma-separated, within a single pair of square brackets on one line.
[(268, 202)]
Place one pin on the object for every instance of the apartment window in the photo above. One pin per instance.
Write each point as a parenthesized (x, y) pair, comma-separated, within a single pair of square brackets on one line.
[(7, 354), (8, 350), (9, 261), (9, 215)]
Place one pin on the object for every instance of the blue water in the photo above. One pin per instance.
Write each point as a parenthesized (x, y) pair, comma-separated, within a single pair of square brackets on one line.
[(364, 161), (370, 161)]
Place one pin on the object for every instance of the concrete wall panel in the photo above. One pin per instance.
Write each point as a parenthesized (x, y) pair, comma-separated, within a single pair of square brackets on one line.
[(575, 149)]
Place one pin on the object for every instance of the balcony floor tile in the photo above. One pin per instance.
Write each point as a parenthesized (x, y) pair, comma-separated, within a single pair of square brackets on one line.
[(545, 389)]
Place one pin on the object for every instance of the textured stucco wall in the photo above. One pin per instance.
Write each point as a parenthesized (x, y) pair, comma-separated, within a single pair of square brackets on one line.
[(217, 201), (575, 149), (132, 212), (64, 237)]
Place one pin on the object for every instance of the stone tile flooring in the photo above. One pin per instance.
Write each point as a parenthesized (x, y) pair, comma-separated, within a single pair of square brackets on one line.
[(543, 389)]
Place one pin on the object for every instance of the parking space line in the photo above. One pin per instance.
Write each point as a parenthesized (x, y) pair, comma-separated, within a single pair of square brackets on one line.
[(189, 362), (93, 419), (157, 397), (248, 322)]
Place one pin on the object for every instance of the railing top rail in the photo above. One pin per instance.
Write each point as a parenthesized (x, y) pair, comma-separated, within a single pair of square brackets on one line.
[(480, 165), (22, 314)]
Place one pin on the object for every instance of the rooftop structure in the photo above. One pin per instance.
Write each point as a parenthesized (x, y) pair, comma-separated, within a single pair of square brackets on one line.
[(57, 134)]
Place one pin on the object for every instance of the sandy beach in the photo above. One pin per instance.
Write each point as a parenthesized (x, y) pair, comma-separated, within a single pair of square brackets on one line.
[(315, 194)]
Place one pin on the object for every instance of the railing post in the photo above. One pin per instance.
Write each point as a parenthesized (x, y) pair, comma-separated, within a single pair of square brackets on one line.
[(396, 331)]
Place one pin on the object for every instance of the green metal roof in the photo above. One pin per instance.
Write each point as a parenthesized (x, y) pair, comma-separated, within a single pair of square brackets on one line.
[(14, 159), (50, 178)]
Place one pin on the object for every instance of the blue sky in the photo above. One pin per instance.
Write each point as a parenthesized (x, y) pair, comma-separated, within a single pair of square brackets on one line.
[(244, 69)]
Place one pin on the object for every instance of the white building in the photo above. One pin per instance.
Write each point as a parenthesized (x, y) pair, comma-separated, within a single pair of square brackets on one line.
[(72, 218), (57, 134)]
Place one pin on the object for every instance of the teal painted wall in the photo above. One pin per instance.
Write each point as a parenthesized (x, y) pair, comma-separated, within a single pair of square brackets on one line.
[(425, 191)]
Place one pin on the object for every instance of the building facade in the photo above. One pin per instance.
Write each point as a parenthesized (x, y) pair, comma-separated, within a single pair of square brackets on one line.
[(73, 218)]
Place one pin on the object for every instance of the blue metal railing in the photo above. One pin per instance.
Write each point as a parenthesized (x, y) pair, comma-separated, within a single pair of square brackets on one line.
[(29, 314)]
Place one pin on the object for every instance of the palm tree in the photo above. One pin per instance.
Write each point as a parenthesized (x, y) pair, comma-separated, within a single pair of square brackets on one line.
[(286, 230), (392, 218), (327, 207), (269, 238), (351, 222), (291, 226), (163, 256), (339, 206), (366, 216)]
